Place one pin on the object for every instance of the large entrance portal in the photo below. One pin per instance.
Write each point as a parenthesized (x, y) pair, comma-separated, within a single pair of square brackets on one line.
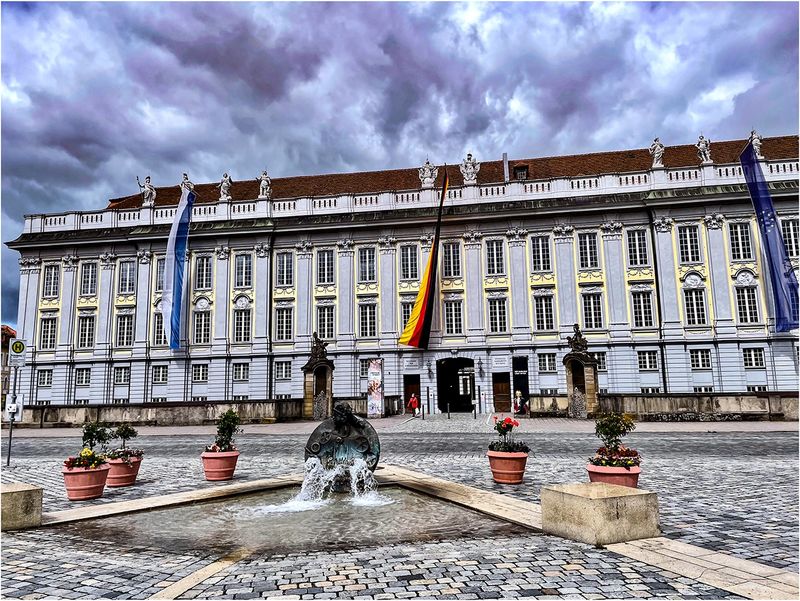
[(455, 383)]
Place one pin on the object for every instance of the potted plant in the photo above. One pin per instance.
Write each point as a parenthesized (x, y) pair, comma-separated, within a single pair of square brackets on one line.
[(85, 475), (219, 459), (507, 457), (124, 462), (614, 463)]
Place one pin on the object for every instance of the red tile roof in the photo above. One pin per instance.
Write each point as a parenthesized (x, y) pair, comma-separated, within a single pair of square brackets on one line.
[(370, 182)]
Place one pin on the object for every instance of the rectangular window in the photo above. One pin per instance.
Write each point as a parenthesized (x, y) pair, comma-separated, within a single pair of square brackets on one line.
[(366, 265), (45, 377), (648, 360), (547, 362), (284, 270), (159, 336), (241, 325), (241, 397), (202, 273), (651, 390), (601, 361), (200, 372), (409, 267), (592, 311), (704, 389), (47, 333), (283, 323), (495, 263), (642, 309), (637, 248), (753, 358), (540, 253), (244, 271), (283, 370), (122, 375), (325, 268), (89, 279), (757, 388), (241, 372), (77, 402), (51, 281), (325, 324), (363, 368), (746, 305), (689, 243), (405, 312), (548, 391), (199, 399), (790, 229), (453, 321), (160, 374), (695, 302), (158, 399), (587, 251), (160, 264), (741, 248), (367, 321), (451, 260), (127, 277), (83, 376), (700, 358), (497, 315), (86, 331), (202, 327), (124, 330), (545, 320)]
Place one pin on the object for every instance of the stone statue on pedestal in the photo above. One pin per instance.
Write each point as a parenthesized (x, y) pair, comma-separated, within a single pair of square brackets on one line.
[(756, 140), (265, 185), (469, 169), (225, 187), (704, 150), (657, 152), (148, 192), (427, 174)]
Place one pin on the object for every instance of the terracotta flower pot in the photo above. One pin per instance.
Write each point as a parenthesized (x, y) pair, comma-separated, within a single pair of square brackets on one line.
[(219, 466), (121, 473), (614, 475), (507, 468), (83, 483)]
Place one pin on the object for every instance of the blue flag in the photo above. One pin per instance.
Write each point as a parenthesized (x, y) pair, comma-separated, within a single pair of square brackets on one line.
[(781, 275)]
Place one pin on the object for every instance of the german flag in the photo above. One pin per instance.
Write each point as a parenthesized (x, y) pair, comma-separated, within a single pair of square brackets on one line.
[(418, 329)]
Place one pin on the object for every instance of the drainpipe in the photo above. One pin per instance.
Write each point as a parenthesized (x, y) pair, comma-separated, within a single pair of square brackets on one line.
[(270, 358), (660, 302)]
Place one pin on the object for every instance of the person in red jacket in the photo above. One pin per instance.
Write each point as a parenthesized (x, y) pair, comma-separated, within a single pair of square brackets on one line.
[(413, 404)]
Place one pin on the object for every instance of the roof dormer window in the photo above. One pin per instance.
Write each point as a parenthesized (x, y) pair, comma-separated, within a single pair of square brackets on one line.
[(521, 172)]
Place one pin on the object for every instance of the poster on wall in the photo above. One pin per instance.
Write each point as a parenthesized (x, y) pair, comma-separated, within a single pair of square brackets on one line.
[(375, 388)]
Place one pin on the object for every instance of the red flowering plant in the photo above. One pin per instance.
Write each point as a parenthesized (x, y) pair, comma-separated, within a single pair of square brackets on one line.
[(610, 428), (506, 442)]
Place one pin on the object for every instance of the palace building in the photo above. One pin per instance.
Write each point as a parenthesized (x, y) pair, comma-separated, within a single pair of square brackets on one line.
[(655, 255)]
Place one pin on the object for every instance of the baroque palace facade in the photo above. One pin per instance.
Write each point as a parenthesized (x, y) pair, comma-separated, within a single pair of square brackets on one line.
[(656, 255)]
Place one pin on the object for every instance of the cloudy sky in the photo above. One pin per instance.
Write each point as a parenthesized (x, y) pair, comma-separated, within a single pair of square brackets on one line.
[(95, 94)]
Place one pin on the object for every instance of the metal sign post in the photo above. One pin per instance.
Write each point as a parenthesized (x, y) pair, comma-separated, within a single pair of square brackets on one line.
[(13, 412)]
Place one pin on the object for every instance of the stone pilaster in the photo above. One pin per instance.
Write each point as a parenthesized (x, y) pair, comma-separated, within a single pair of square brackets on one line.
[(388, 290), (565, 273), (619, 322), (518, 271), (473, 287), (346, 285), (304, 286)]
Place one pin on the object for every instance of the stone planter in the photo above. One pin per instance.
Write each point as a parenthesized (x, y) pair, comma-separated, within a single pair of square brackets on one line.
[(219, 466), (122, 474), (507, 468), (83, 483), (614, 475)]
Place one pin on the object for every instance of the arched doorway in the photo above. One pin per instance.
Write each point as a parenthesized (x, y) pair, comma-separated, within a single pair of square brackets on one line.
[(322, 397), (455, 383), (578, 375)]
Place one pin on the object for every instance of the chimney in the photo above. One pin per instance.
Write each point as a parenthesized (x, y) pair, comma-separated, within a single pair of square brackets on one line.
[(505, 167)]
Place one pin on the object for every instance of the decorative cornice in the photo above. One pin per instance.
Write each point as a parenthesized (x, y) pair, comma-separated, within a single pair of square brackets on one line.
[(29, 264), (472, 238), (303, 248), (426, 241), (345, 245), (663, 224), (386, 241), (611, 228), (144, 256), (563, 232), (516, 236), (714, 222)]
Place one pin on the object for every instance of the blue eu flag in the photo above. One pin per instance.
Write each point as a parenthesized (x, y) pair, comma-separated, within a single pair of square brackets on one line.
[(781, 275)]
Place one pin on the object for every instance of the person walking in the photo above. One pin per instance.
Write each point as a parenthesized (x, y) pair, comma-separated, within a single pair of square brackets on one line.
[(413, 404)]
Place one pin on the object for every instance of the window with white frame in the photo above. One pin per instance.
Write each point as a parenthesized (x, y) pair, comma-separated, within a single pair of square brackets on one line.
[(202, 327), (160, 374), (45, 377), (325, 267), (689, 243), (366, 264), (540, 253), (159, 336), (368, 321), (757, 388), (52, 275), (495, 262), (363, 368), (200, 372), (284, 270), (88, 279), (637, 248), (283, 397), (124, 330), (406, 308), (695, 302), (243, 271), (86, 331), (497, 315), (544, 319), (704, 389), (642, 302), (158, 399), (587, 250), (790, 229), (283, 323), (122, 375), (600, 357), (592, 311), (747, 305), (409, 264), (648, 360), (548, 391), (453, 318), (700, 358), (241, 372), (753, 358), (160, 266), (83, 376), (127, 277), (547, 362), (325, 324), (202, 273), (451, 260), (741, 247), (241, 325), (283, 370), (651, 390), (241, 397), (47, 333), (199, 399)]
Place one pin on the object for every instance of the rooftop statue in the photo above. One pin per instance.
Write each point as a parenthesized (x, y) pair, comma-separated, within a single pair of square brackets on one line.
[(427, 174), (704, 150), (469, 169), (657, 152), (265, 185), (225, 187), (756, 140), (186, 183)]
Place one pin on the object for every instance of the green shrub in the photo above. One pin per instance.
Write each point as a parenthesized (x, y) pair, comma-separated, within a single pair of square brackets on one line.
[(227, 426), (95, 433)]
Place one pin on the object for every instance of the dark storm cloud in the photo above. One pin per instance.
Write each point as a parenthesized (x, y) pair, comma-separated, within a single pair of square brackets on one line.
[(95, 94)]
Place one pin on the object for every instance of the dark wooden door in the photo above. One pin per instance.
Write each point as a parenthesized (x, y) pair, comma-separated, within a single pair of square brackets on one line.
[(411, 385), (501, 390)]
